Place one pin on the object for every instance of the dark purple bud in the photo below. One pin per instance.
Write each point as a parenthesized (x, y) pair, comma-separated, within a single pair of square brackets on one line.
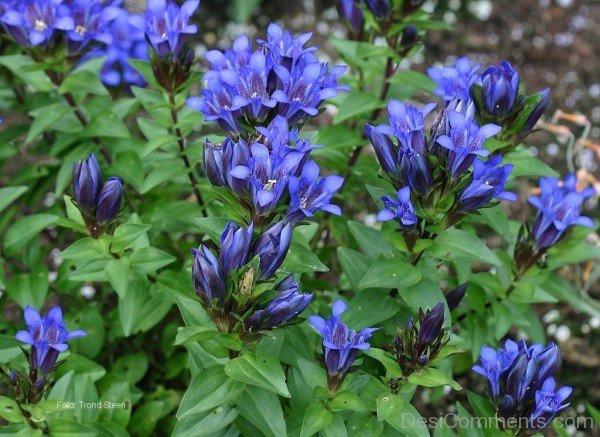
[(109, 200), (431, 326), (272, 247), (508, 407), (539, 109), (384, 149), (548, 360), (213, 163), (379, 8), (208, 277), (454, 298), (422, 360), (519, 382), (235, 245), (409, 37), (349, 10), (87, 183), (415, 171)]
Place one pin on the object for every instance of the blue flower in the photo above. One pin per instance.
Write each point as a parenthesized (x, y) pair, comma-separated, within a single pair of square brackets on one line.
[(340, 344), (488, 183), (454, 82), (521, 381), (309, 193), (402, 210), (272, 247), (109, 200), (167, 25), (235, 246), (500, 89), (127, 42), (87, 183), (48, 337), (558, 209), (34, 22), (405, 162), (268, 175), (91, 20), (351, 12), (548, 402), (221, 159), (537, 111), (287, 305), (208, 277), (246, 89), (464, 141)]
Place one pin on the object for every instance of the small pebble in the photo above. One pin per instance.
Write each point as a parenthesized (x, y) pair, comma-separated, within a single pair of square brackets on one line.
[(87, 291), (594, 322), (563, 333), (551, 316)]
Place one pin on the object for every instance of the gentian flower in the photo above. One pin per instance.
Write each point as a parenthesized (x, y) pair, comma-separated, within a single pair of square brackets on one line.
[(87, 183), (47, 336), (287, 305), (272, 247), (235, 246), (379, 8), (167, 25), (521, 381), (91, 20), (488, 183), (340, 344), (109, 200), (500, 89), (309, 193), (208, 277), (349, 11), (405, 162), (402, 210), (454, 82), (268, 175), (538, 111), (464, 140), (455, 297), (33, 22), (221, 159), (127, 42), (549, 402), (558, 209), (246, 89)]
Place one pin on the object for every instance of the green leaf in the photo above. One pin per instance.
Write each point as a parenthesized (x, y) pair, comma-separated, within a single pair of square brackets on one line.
[(432, 377), (126, 234), (161, 174), (594, 412), (209, 389), (370, 307), (150, 259), (106, 124), (354, 264), (457, 245), (346, 400), (87, 248), (21, 66), (355, 103), (316, 418), (117, 272), (370, 240), (117, 403), (29, 288), (44, 117), (83, 81), (395, 272), (414, 79), (301, 259), (10, 411), (132, 367), (9, 194), (527, 165), (262, 409), (261, 370), (312, 374), (206, 424), (27, 228)]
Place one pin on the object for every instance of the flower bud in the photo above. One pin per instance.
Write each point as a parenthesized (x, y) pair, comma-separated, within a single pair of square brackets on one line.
[(431, 326), (272, 247), (454, 298), (109, 200), (500, 89), (87, 183), (409, 37), (213, 163), (379, 8), (235, 245), (208, 277), (384, 149)]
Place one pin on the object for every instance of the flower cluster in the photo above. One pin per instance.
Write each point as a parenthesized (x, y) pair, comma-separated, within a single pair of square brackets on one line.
[(416, 346), (247, 88), (340, 344), (498, 94), (47, 337), (232, 284), (521, 381), (440, 172), (272, 171), (98, 201)]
